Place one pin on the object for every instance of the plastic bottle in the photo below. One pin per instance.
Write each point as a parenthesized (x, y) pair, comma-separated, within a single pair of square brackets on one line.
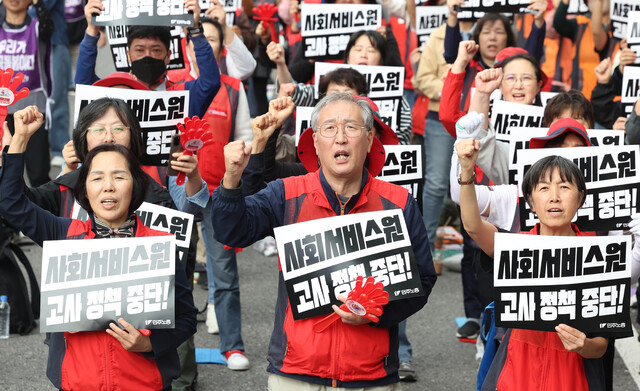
[(5, 316)]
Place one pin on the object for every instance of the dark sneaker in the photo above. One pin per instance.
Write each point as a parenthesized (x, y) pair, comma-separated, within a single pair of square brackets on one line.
[(469, 330), (406, 372)]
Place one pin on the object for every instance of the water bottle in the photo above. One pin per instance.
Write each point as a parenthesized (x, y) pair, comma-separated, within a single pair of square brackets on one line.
[(5, 315)]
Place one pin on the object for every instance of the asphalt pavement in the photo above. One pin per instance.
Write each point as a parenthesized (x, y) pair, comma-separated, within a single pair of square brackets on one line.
[(441, 361)]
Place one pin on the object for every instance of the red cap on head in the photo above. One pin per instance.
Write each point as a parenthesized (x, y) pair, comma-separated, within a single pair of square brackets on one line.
[(121, 79), (506, 53), (559, 128)]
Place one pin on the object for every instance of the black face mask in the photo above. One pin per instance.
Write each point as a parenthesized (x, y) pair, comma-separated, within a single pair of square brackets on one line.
[(149, 70)]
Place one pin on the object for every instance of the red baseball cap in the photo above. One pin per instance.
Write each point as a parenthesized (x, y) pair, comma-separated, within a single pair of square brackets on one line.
[(121, 79), (513, 51), (559, 128)]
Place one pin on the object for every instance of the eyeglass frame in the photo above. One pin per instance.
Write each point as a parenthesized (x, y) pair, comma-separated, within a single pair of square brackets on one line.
[(516, 78), (91, 130), (343, 127)]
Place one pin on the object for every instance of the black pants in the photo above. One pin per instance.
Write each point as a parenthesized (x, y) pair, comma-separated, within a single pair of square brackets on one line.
[(37, 155)]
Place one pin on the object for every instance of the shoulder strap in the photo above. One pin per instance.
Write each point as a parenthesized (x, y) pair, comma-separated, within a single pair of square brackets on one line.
[(35, 289)]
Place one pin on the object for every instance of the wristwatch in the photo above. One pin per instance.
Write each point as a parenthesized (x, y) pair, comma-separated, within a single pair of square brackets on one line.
[(471, 180), (197, 30)]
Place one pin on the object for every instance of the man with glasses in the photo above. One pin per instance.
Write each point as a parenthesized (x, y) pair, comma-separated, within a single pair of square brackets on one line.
[(353, 353)]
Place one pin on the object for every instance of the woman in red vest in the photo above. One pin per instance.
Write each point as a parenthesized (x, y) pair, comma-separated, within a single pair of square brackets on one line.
[(538, 360), (111, 186)]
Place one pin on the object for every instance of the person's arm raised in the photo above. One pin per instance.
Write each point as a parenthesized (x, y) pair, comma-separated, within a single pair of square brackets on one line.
[(26, 122), (487, 81)]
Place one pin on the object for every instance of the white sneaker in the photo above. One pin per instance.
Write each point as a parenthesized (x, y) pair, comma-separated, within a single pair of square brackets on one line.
[(236, 360), (57, 161), (212, 321)]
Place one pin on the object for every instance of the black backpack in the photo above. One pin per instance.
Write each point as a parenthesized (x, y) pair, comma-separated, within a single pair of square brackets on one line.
[(24, 312)]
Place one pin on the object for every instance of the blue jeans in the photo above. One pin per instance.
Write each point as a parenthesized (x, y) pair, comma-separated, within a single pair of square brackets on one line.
[(405, 352), (224, 288), (438, 146), (61, 77), (410, 96)]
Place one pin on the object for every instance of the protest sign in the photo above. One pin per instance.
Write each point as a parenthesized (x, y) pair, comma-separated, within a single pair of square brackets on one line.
[(117, 37), (497, 6), (619, 14), (630, 87), (386, 86), (403, 167), (87, 284), (230, 8), (505, 115), (326, 28), (321, 259), (519, 140), (177, 223), (633, 34), (611, 177), (428, 19), (577, 7), (143, 13), (303, 120), (542, 281), (157, 111)]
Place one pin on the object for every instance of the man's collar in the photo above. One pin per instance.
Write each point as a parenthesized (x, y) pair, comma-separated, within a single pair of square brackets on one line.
[(331, 194)]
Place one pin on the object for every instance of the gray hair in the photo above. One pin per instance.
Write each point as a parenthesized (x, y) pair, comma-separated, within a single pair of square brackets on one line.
[(367, 112)]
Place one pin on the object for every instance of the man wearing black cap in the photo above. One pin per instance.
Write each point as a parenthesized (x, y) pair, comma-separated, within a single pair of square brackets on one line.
[(343, 140)]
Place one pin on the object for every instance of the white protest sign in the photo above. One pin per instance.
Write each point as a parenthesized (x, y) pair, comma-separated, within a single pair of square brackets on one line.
[(505, 115), (630, 87), (428, 19), (144, 13), (157, 111), (230, 8), (541, 281), (403, 167), (326, 28), (321, 259), (611, 177), (303, 120), (177, 223), (619, 14), (386, 86), (86, 284), (519, 140), (633, 34)]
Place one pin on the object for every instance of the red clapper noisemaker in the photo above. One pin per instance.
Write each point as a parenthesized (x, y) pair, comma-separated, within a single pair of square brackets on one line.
[(265, 12), (364, 300), (8, 93), (195, 136)]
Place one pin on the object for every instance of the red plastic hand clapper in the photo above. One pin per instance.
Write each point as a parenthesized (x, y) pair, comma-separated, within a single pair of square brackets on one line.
[(265, 12), (364, 300), (8, 94), (195, 136)]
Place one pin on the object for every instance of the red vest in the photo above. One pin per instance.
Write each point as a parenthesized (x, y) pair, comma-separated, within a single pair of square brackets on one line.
[(342, 352), (407, 42), (95, 356)]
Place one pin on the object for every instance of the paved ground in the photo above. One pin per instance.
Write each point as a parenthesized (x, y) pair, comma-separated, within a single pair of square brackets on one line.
[(443, 363)]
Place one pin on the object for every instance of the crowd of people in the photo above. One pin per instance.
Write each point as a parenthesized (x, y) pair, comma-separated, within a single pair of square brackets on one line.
[(255, 174)]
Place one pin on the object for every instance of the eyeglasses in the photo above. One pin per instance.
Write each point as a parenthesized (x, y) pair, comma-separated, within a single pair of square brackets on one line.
[(526, 79), (350, 129), (101, 131)]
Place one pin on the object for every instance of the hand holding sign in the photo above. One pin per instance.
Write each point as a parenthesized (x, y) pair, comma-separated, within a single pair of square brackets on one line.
[(193, 6), (195, 136), (363, 302), (131, 339), (93, 8)]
